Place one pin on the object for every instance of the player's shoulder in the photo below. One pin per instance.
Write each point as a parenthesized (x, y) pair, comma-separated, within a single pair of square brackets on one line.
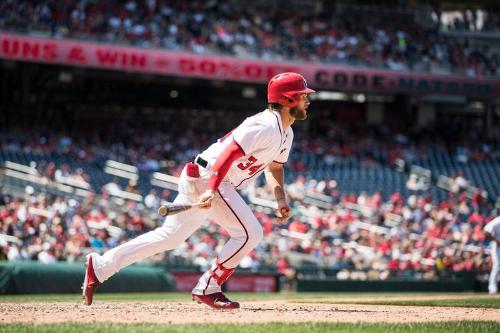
[(265, 116), (262, 120)]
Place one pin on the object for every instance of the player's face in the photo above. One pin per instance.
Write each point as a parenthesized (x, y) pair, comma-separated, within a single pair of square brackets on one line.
[(299, 112)]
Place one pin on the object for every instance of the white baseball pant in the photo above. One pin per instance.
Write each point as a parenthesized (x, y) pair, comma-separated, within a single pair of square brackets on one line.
[(228, 210)]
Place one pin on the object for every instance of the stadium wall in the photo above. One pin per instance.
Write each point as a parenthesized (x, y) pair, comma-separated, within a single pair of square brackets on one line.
[(465, 282), (61, 278), (64, 278)]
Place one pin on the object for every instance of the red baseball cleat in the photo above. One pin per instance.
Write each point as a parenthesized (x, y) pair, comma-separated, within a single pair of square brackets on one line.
[(216, 301), (91, 283)]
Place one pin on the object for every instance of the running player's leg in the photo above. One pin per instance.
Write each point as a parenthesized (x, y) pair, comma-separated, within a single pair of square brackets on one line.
[(175, 230), (233, 214)]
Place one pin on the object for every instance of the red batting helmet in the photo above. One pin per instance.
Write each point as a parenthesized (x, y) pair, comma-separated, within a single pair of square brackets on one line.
[(285, 87)]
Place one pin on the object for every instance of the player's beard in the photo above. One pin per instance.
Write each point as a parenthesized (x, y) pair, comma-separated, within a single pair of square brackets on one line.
[(298, 114)]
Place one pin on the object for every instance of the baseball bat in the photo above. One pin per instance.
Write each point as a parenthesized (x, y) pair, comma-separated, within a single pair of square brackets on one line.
[(172, 209)]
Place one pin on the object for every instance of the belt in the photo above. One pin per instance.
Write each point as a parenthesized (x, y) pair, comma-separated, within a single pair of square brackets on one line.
[(201, 161)]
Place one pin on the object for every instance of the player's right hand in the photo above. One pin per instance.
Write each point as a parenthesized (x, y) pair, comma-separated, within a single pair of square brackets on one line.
[(205, 199)]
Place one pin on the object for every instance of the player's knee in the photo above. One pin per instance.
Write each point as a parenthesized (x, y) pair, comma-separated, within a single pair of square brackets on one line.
[(166, 235), (256, 234)]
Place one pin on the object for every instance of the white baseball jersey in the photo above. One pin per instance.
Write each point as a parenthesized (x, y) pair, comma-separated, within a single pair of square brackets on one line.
[(262, 139), (493, 228)]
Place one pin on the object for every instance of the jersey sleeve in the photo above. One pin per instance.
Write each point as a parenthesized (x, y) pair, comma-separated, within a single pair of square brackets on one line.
[(223, 163), (252, 136), (285, 150)]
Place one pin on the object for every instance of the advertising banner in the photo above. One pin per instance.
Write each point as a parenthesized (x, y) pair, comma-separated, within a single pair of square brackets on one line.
[(162, 62), (185, 281)]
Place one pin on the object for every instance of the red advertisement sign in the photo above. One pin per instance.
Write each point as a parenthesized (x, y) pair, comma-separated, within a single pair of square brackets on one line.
[(185, 281), (162, 62), (252, 283)]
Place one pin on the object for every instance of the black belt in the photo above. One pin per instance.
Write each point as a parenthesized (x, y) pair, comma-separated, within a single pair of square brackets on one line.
[(201, 161)]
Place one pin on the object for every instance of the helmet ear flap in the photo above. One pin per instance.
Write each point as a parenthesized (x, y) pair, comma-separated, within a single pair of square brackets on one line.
[(289, 99)]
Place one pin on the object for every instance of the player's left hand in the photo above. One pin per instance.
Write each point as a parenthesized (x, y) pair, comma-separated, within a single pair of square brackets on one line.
[(284, 210)]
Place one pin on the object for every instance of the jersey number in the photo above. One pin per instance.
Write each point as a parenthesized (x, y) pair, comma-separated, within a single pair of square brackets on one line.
[(249, 165)]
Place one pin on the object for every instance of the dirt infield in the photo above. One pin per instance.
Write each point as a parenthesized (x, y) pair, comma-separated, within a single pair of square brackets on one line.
[(251, 312)]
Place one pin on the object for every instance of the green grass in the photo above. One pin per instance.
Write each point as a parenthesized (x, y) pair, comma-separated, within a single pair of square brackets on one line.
[(176, 296), (186, 296), (463, 303), (472, 301), (451, 327)]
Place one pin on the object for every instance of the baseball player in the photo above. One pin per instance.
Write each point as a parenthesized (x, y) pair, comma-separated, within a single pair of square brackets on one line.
[(492, 232), (260, 144)]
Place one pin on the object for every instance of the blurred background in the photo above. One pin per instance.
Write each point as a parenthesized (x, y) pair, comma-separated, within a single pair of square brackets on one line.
[(391, 180)]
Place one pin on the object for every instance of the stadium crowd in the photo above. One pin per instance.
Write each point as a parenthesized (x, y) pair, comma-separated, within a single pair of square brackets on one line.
[(467, 20), (396, 42), (152, 148), (372, 238), (361, 236)]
